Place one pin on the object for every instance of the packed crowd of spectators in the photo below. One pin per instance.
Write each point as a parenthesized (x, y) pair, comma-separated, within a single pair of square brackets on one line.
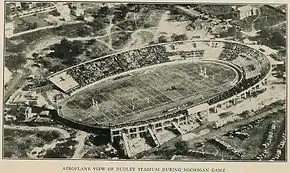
[(93, 71), (228, 147), (280, 147), (269, 136), (186, 54), (267, 142), (230, 52), (200, 153), (177, 114)]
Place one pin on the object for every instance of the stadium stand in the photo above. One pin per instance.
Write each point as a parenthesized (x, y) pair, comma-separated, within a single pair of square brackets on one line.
[(89, 72), (252, 66)]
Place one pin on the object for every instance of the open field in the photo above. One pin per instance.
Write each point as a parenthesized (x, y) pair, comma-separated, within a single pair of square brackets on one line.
[(17, 143), (134, 95)]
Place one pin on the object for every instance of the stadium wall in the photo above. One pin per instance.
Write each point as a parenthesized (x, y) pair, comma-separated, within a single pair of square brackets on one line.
[(180, 117)]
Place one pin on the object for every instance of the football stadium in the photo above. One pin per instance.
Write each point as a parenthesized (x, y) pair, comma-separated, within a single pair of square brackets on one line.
[(143, 92)]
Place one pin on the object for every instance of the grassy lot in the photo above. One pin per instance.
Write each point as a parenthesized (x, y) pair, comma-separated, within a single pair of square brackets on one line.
[(17, 143), (120, 39), (269, 17), (252, 146), (63, 150), (145, 36), (38, 19)]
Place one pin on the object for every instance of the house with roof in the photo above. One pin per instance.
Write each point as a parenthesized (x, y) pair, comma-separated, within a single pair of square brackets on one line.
[(247, 11)]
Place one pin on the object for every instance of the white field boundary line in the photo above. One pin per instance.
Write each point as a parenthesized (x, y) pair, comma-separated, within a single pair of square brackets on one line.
[(197, 93), (232, 64)]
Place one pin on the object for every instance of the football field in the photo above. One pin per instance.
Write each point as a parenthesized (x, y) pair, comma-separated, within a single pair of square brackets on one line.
[(138, 95)]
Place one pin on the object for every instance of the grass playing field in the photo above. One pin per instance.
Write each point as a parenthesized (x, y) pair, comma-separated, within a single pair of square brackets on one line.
[(147, 93)]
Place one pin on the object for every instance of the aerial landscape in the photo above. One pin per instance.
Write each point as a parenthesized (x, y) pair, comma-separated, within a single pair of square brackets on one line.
[(113, 81)]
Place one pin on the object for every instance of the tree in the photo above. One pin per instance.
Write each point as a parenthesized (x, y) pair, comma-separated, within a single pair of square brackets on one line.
[(83, 31), (272, 38), (162, 39), (54, 13), (181, 37), (181, 146), (32, 26), (99, 23), (67, 51), (92, 41), (8, 11), (104, 11), (278, 39), (35, 55), (14, 62), (121, 12)]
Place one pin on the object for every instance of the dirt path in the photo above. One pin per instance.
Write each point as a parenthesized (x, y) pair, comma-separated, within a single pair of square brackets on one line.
[(43, 28), (79, 152), (63, 132), (137, 40), (14, 84), (278, 24), (37, 152)]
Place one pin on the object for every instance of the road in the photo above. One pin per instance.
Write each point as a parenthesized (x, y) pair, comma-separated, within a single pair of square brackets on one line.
[(15, 83), (80, 137), (63, 132), (109, 44), (33, 154), (43, 28), (216, 133), (19, 78), (278, 24), (191, 12)]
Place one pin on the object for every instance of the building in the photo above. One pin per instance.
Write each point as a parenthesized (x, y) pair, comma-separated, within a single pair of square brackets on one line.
[(15, 6), (77, 10), (179, 118), (9, 29), (31, 5), (18, 5), (247, 11)]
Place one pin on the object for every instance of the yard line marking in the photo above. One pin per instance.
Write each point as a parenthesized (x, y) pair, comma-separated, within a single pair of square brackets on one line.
[(123, 98), (165, 95), (147, 90), (116, 105), (85, 112), (166, 80)]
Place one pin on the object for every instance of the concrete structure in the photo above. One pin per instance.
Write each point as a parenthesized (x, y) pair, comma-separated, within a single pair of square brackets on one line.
[(77, 10), (192, 113), (199, 112), (247, 11)]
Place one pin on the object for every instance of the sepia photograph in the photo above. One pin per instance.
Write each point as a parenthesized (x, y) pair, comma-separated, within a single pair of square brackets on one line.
[(176, 82)]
